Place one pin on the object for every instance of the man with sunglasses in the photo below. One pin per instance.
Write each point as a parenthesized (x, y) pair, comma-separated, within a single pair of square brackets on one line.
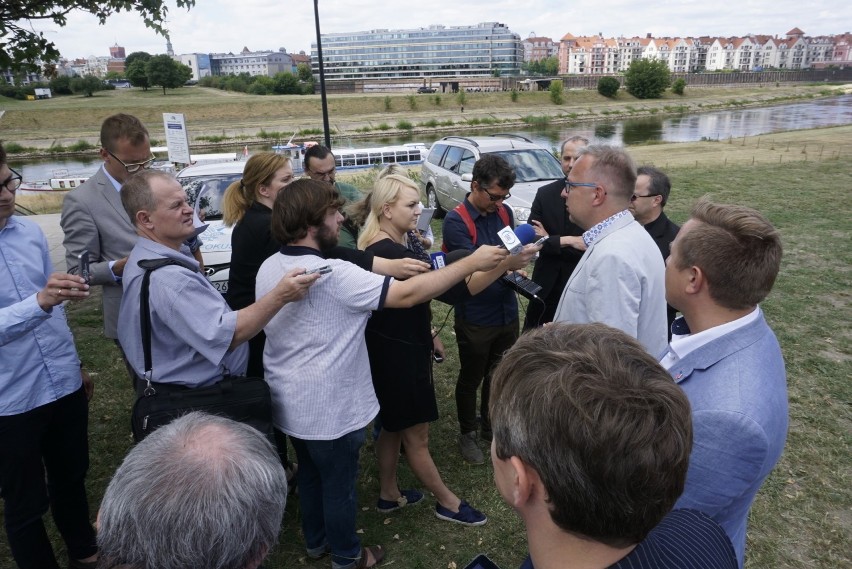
[(620, 280), (93, 218), (649, 198), (486, 325)]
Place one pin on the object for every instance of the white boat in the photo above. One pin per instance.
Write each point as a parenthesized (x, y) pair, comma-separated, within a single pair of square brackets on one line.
[(61, 182), (351, 158)]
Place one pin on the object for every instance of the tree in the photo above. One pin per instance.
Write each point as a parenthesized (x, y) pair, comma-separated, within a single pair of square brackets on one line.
[(305, 73), (286, 84), (87, 85), (167, 73), (21, 46), (140, 55), (678, 86), (647, 78), (61, 85), (137, 74), (608, 86), (557, 89)]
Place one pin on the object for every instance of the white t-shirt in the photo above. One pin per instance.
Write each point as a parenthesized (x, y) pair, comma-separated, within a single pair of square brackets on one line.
[(315, 359)]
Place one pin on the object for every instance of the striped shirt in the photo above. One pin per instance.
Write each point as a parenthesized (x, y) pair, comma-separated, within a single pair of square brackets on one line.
[(685, 539), (315, 359)]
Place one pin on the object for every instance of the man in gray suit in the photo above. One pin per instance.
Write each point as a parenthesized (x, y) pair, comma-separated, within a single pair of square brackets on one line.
[(93, 218), (620, 279)]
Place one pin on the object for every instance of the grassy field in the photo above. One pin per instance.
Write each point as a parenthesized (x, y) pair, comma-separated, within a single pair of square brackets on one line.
[(801, 518), (238, 116)]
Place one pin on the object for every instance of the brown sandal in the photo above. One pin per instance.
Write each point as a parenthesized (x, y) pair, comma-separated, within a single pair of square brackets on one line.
[(378, 556)]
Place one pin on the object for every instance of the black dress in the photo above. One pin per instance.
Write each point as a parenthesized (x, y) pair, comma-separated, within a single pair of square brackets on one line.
[(399, 343)]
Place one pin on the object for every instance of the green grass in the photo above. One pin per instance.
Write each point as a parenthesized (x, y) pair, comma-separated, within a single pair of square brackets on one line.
[(801, 518)]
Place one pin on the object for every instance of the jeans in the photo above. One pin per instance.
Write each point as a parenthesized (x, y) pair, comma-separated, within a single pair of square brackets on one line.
[(480, 349), (328, 471), (51, 438)]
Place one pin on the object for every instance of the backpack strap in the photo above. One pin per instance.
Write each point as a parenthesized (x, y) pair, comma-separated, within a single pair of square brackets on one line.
[(460, 209), (145, 312)]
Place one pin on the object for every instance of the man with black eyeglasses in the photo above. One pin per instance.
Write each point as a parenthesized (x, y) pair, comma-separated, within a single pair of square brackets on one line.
[(649, 198), (44, 453), (486, 325), (93, 218), (620, 280)]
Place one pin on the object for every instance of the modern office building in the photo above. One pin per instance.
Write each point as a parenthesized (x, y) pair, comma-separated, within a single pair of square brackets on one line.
[(199, 63), (484, 50)]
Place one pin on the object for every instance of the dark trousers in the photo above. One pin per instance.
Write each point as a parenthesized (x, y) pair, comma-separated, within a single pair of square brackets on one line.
[(52, 438), (480, 349)]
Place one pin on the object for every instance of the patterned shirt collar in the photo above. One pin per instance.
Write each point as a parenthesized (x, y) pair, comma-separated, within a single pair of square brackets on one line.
[(595, 231)]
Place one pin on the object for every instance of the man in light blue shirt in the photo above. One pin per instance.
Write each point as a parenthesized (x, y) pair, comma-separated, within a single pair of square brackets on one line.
[(43, 396), (196, 339), (727, 360)]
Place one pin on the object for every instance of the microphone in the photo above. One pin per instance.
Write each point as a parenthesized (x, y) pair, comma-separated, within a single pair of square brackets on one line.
[(514, 241), (438, 260)]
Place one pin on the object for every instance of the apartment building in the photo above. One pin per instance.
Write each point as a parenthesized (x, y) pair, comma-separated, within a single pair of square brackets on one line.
[(267, 63), (537, 48)]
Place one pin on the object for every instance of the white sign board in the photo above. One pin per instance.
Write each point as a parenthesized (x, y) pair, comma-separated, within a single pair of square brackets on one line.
[(177, 139)]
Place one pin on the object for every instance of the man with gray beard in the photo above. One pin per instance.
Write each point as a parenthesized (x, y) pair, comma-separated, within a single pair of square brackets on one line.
[(202, 491)]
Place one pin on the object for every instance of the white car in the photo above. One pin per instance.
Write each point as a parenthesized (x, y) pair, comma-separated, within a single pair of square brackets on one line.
[(205, 186), (447, 171)]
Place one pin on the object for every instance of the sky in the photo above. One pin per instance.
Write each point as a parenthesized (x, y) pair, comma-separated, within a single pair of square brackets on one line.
[(220, 26)]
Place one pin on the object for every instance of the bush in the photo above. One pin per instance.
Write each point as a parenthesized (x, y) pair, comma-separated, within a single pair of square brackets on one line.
[(437, 99), (404, 125), (387, 103), (608, 86), (514, 95), (412, 102), (647, 78), (557, 89), (678, 86)]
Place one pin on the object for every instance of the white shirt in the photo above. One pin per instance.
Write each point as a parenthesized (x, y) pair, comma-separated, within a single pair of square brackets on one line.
[(683, 344), (315, 359)]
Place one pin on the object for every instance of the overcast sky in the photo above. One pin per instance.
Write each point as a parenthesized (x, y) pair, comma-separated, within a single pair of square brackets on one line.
[(228, 26)]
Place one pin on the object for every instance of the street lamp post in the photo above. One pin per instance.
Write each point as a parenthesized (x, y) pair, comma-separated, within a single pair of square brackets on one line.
[(322, 79)]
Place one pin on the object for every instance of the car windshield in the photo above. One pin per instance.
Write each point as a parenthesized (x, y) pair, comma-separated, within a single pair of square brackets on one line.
[(531, 165), (210, 189)]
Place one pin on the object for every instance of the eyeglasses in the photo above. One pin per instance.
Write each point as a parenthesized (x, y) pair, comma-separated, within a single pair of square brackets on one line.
[(12, 183), (136, 166), (494, 198), (569, 185), (635, 197)]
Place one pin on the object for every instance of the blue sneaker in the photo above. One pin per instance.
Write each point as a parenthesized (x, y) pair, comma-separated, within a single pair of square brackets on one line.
[(406, 498), (466, 515)]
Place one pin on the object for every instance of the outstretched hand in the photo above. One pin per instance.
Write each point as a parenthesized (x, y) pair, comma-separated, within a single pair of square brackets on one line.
[(61, 287), (488, 257), (295, 284)]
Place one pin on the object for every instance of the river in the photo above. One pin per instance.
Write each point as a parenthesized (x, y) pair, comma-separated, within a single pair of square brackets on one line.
[(713, 125)]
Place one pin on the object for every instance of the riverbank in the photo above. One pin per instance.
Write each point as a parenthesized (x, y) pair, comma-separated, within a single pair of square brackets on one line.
[(781, 149), (225, 120)]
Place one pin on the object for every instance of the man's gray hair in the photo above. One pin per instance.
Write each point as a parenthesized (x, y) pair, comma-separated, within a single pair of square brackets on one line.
[(574, 139), (613, 168), (202, 491), (136, 194)]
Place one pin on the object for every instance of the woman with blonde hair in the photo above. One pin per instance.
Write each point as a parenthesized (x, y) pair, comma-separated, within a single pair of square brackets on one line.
[(399, 343)]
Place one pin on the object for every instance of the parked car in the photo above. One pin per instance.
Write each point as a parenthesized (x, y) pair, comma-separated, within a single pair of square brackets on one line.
[(447, 171), (205, 186), (426, 90)]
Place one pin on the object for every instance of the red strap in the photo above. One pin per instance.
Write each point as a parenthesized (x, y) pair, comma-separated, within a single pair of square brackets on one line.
[(468, 221)]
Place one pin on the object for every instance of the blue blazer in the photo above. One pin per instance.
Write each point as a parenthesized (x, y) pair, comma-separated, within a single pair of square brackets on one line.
[(737, 387)]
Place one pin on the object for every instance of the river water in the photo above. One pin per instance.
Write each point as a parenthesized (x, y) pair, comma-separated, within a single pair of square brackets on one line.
[(685, 128)]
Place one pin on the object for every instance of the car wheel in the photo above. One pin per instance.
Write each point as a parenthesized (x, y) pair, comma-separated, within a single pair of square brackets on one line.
[(432, 201)]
